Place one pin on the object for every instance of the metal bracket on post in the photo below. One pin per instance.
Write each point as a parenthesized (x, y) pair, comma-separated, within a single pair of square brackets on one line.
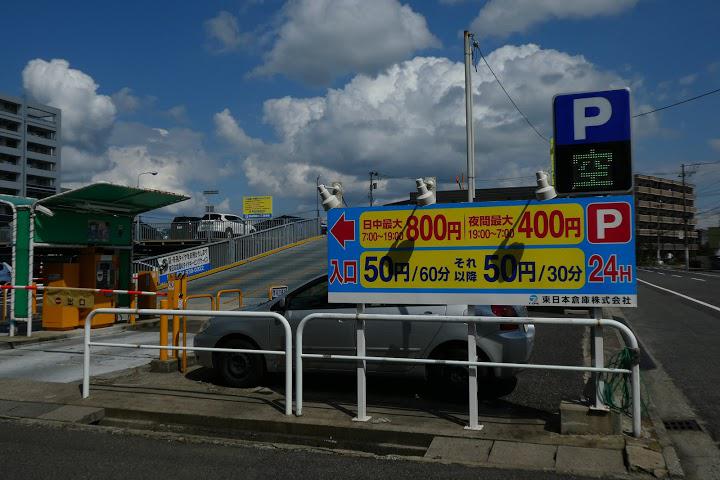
[(472, 379), (362, 415), (597, 352)]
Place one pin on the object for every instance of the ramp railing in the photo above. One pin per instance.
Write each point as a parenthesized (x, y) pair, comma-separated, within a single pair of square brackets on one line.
[(228, 251), (472, 362)]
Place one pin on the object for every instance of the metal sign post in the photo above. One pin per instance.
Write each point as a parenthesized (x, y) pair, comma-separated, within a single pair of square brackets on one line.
[(362, 415), (598, 360)]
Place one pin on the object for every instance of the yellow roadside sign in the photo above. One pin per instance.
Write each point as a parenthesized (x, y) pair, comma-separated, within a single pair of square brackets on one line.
[(71, 298), (257, 207)]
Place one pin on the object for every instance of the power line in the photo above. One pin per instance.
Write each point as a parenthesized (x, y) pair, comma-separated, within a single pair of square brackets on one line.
[(678, 103), (476, 46)]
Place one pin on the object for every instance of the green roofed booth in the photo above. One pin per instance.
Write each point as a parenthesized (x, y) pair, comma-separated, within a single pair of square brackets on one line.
[(81, 238)]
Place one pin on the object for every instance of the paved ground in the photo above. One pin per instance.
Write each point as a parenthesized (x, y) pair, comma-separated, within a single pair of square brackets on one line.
[(45, 452), (61, 360), (682, 335), (291, 267), (537, 391)]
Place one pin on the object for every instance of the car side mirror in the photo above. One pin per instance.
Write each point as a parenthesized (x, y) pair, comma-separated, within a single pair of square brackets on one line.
[(280, 304)]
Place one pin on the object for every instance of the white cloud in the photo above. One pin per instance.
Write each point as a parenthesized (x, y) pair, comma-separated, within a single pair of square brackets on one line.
[(178, 113), (86, 115), (715, 143), (228, 129), (79, 165), (224, 33), (410, 121), (125, 101), (320, 40), (97, 147), (688, 79), (503, 17)]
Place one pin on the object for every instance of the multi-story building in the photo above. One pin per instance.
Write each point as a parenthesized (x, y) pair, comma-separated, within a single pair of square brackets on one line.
[(29, 148), (660, 206)]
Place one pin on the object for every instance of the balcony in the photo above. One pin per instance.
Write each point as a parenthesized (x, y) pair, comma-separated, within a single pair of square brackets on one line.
[(40, 133)]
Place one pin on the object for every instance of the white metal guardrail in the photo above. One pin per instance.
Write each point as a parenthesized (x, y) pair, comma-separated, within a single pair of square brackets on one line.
[(233, 250), (203, 230), (191, 313), (472, 362)]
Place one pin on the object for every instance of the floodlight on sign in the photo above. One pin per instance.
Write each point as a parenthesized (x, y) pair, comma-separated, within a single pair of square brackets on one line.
[(545, 191), (329, 200), (426, 192)]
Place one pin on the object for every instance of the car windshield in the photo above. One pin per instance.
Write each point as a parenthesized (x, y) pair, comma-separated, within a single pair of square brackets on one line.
[(313, 296), (232, 218)]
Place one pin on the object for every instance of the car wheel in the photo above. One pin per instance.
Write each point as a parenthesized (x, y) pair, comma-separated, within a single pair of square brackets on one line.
[(454, 379), (240, 370), (229, 233)]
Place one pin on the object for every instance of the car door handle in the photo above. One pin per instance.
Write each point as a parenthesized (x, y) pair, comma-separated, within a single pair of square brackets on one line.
[(427, 313)]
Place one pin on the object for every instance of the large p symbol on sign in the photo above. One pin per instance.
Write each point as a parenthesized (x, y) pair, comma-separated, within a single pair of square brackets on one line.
[(580, 119), (607, 219), (609, 222)]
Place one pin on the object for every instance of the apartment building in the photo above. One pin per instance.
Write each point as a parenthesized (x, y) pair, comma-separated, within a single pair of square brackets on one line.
[(660, 205), (29, 148)]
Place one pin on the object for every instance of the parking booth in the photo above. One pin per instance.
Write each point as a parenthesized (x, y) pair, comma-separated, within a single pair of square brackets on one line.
[(80, 238)]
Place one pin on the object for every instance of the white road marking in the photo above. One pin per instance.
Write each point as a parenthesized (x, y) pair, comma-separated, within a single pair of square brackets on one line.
[(677, 276), (698, 279), (660, 273), (706, 274), (705, 304)]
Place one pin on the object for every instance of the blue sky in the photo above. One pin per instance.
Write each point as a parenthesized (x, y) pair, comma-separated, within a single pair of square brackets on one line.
[(260, 97)]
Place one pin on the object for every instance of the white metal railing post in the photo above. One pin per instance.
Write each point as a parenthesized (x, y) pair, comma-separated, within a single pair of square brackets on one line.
[(192, 313), (299, 367), (361, 369), (597, 351), (472, 377), (637, 411), (86, 355)]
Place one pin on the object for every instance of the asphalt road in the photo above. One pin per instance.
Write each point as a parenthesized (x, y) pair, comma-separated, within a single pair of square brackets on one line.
[(38, 451), (683, 335)]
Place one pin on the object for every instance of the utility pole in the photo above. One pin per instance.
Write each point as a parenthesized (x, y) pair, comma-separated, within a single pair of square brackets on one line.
[(685, 222), (317, 197), (470, 138), (659, 258), (373, 186)]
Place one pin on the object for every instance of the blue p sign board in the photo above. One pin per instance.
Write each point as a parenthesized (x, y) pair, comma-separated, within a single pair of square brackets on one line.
[(592, 142)]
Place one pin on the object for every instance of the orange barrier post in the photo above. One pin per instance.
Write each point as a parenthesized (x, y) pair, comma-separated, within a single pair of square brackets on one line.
[(34, 300), (229, 290), (163, 330), (201, 295), (5, 305)]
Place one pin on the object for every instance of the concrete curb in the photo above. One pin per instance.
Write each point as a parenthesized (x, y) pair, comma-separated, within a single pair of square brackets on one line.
[(672, 460)]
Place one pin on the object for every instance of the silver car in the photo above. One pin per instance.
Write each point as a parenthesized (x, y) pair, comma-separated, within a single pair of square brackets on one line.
[(496, 342)]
